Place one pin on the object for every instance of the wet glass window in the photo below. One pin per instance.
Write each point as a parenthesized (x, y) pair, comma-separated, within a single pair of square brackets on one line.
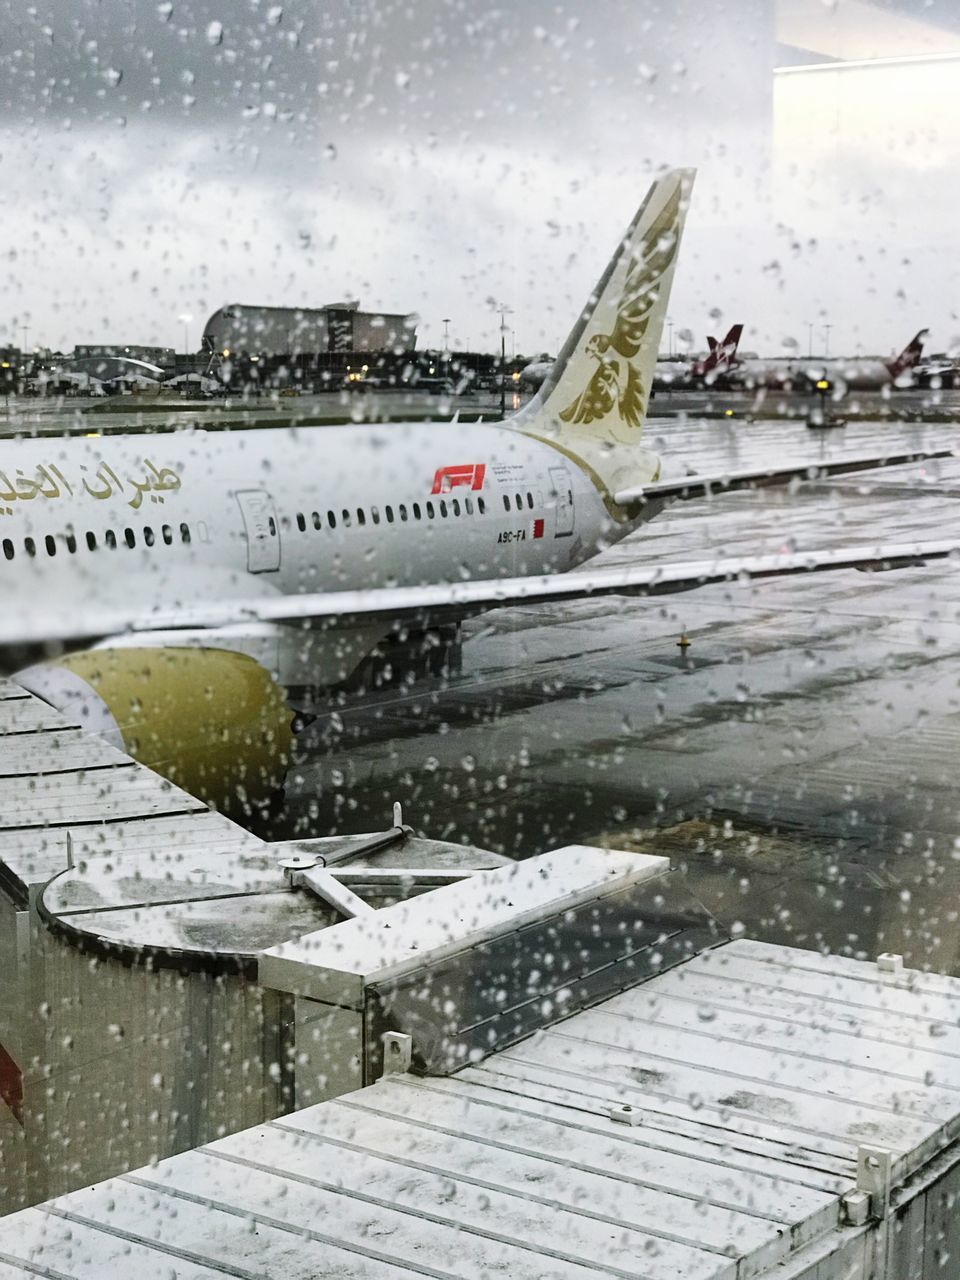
[(167, 534), (110, 538), (375, 514), (8, 549), (51, 544), (402, 511), (130, 537), (71, 543), (331, 520), (388, 511), (148, 536), (184, 533), (429, 510), (361, 516), (29, 546), (301, 522), (91, 541)]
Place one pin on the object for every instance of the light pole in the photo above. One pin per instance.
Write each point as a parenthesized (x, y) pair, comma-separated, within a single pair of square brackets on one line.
[(809, 339), (670, 338), (185, 321), (503, 361), (826, 340), (26, 329), (446, 345)]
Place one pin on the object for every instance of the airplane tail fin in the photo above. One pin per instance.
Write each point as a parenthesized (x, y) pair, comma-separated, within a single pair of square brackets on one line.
[(593, 402), (722, 355), (909, 357)]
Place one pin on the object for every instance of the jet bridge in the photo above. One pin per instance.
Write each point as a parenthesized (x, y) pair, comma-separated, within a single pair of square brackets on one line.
[(572, 1074), (132, 1024)]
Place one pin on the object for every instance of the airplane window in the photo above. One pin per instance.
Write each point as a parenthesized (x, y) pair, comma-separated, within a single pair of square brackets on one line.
[(71, 542), (416, 511), (529, 499), (389, 514), (30, 546), (455, 504), (468, 506), (346, 518), (429, 507), (148, 536), (167, 534), (403, 511), (361, 516), (272, 526), (129, 537), (518, 499), (570, 495), (331, 520), (8, 548), (110, 538), (443, 509), (317, 522), (506, 502), (91, 541), (51, 544), (184, 533), (301, 522), (481, 507), (375, 514)]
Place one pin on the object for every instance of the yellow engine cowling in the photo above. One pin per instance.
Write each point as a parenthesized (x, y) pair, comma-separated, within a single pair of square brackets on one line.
[(211, 720)]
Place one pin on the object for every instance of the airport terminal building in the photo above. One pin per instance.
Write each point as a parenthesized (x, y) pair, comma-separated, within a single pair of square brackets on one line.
[(337, 327)]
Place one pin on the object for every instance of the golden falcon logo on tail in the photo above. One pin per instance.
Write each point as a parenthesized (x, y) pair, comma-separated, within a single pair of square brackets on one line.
[(616, 383)]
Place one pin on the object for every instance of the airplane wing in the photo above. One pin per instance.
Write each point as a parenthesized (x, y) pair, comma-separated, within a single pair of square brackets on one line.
[(436, 603), (700, 486)]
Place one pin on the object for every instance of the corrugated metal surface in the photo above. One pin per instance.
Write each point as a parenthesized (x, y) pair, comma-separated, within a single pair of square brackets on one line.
[(753, 1073)]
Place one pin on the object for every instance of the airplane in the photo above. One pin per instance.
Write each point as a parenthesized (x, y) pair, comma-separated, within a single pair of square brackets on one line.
[(669, 372), (838, 374), (712, 368), (214, 577)]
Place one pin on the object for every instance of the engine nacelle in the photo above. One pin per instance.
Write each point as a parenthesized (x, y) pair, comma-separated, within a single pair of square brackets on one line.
[(211, 720)]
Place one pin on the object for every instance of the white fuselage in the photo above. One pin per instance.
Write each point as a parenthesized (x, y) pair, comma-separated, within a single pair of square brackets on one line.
[(174, 519), (803, 375)]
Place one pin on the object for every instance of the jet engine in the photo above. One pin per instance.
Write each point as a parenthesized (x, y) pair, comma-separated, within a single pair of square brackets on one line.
[(211, 720)]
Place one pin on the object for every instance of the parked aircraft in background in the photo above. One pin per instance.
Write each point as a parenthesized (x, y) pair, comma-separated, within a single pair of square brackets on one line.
[(671, 372), (222, 574), (840, 374)]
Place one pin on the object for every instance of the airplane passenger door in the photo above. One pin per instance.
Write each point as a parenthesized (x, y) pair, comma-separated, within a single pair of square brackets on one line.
[(560, 480), (263, 533)]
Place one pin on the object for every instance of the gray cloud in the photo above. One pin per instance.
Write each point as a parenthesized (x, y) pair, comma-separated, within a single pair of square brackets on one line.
[(429, 156)]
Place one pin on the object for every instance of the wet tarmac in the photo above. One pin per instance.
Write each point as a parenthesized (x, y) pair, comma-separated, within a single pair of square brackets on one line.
[(799, 758)]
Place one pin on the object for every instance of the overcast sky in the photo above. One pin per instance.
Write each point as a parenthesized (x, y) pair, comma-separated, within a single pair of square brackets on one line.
[(162, 159)]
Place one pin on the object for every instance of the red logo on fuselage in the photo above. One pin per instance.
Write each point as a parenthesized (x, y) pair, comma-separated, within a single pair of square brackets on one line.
[(447, 478)]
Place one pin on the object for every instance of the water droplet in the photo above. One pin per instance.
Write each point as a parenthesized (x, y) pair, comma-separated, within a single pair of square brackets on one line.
[(214, 33)]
